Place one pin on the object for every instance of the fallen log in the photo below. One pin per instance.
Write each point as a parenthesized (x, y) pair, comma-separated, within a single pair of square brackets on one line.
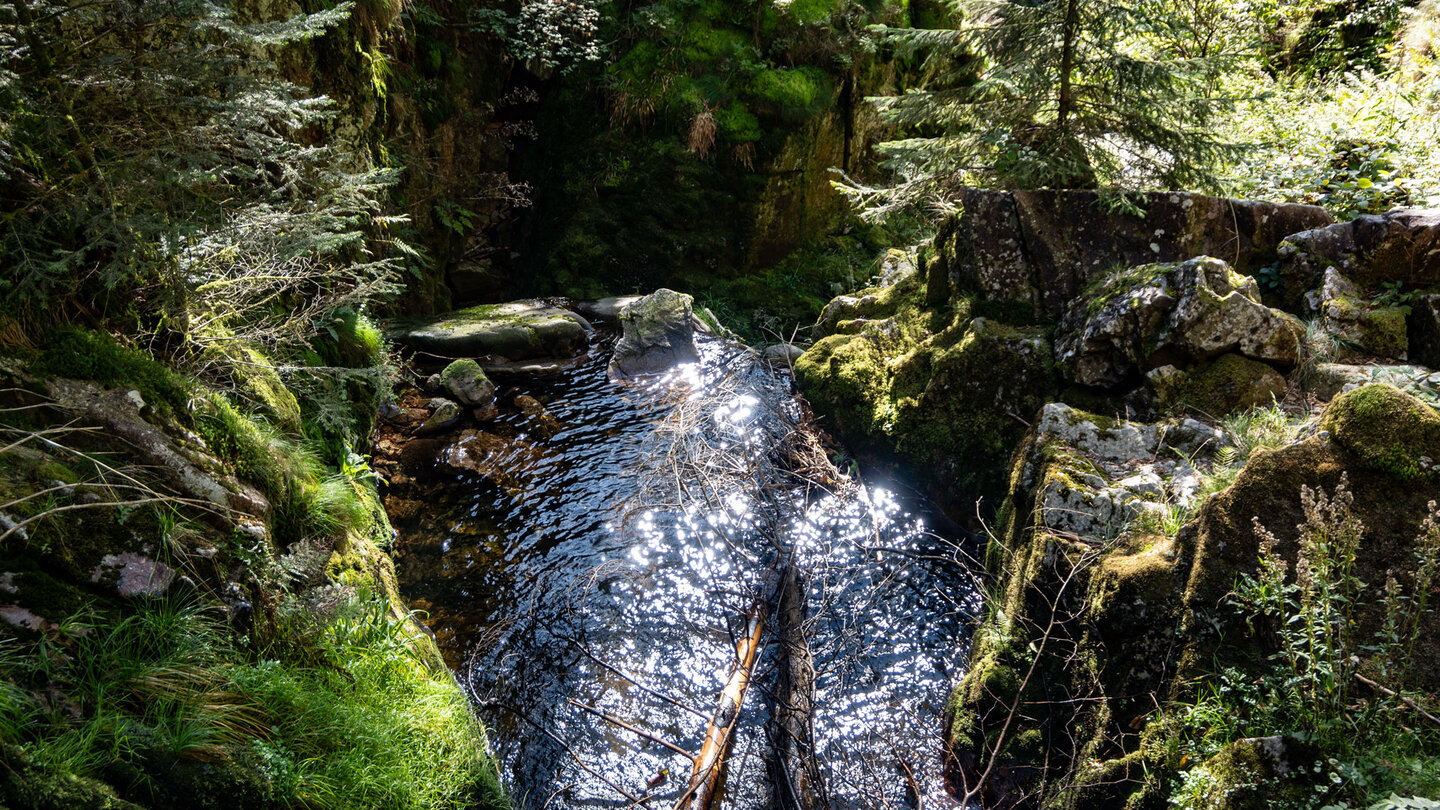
[(794, 768), (709, 762)]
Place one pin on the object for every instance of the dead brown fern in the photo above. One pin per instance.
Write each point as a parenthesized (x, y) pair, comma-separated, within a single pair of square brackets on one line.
[(702, 133)]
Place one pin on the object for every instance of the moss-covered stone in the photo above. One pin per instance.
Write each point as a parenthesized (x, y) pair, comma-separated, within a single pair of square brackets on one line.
[(845, 378), (1261, 773), (1231, 383), (28, 786), (1388, 430), (467, 383), (1373, 330), (943, 393), (1121, 628), (518, 330)]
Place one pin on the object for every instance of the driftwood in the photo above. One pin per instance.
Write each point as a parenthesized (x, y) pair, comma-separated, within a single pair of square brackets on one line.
[(795, 771), (710, 762)]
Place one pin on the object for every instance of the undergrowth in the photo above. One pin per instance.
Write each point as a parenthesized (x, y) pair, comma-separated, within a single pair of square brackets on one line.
[(1266, 427), (1350, 693), (337, 712)]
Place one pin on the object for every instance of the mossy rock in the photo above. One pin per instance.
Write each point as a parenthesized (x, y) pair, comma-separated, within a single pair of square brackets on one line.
[(1378, 331), (845, 379), (258, 378), (1388, 429), (1260, 773), (83, 354), (255, 377), (467, 383), (1231, 383), (25, 785), (519, 330)]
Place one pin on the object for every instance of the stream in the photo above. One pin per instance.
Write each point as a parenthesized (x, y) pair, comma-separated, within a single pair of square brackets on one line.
[(601, 543)]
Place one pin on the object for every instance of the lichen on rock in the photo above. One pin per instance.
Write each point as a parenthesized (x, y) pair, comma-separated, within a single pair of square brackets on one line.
[(658, 333), (1137, 319)]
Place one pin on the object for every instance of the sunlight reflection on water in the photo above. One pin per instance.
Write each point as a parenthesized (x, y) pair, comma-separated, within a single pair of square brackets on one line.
[(605, 548)]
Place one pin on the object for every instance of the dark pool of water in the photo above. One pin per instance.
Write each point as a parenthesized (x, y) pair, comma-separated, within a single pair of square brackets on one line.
[(631, 528)]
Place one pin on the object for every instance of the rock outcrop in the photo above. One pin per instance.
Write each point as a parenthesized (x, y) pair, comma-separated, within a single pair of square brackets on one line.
[(1112, 623), (1402, 245), (1039, 249), (1369, 327), (943, 392), (1141, 318)]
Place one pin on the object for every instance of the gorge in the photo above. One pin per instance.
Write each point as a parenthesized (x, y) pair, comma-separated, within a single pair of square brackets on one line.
[(591, 404)]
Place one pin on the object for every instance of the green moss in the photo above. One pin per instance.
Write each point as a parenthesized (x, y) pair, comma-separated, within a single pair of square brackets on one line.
[(462, 371), (49, 470), (1388, 429), (1231, 383), (737, 124), (957, 402), (811, 11), (254, 376), (1103, 289), (705, 43), (844, 377), (248, 446), (87, 355), (794, 89), (28, 786)]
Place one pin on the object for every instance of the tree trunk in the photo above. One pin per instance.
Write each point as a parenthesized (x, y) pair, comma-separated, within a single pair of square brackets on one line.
[(794, 769), (709, 763), (1070, 32)]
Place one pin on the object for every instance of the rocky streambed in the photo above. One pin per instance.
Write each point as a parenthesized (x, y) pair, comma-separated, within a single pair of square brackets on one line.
[(593, 541)]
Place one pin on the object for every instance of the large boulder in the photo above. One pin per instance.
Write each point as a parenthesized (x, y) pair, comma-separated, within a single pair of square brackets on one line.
[(658, 333), (1138, 319), (1401, 245), (1040, 248), (519, 330)]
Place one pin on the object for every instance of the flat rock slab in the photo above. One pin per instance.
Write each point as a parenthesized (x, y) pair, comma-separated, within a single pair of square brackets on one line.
[(606, 309), (518, 330), (1329, 380)]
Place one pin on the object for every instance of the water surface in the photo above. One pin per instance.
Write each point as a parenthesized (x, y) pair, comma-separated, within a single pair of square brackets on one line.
[(628, 530)]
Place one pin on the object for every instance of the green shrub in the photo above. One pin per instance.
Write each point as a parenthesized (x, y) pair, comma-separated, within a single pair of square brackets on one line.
[(1355, 146)]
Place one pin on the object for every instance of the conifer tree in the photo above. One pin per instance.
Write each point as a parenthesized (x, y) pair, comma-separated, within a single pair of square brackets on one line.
[(154, 161), (1069, 94)]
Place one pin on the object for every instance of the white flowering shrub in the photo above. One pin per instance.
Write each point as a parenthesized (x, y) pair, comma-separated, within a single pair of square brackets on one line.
[(558, 33)]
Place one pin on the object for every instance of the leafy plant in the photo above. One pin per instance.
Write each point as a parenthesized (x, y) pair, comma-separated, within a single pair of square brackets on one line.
[(1394, 294), (1321, 658)]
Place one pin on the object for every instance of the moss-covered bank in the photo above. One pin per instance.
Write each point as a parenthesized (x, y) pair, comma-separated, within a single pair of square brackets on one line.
[(198, 609), (938, 389), (1092, 653)]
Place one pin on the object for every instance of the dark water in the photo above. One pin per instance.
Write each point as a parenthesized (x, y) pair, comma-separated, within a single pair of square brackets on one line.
[(632, 527)]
